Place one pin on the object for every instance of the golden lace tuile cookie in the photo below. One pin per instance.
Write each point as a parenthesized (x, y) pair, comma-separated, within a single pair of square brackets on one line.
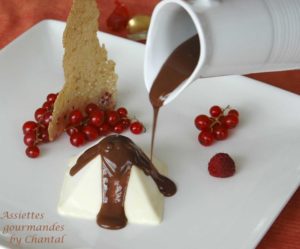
[(89, 75)]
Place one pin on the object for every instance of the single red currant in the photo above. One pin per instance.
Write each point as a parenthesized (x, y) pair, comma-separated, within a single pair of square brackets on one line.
[(39, 114), (104, 129), (118, 128), (215, 111), (30, 138), (202, 122), (126, 123), (48, 106), (113, 118), (96, 118), (75, 117), (137, 127), (47, 118), (233, 112), (90, 132), (220, 132), (29, 126), (122, 111), (51, 97), (72, 130), (43, 135), (77, 139), (206, 138), (91, 107), (231, 121), (32, 151)]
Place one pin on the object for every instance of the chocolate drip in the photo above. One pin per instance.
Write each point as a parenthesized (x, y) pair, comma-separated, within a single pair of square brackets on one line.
[(177, 68), (118, 154)]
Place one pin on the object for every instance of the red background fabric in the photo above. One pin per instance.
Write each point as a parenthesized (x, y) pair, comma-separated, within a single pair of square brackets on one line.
[(16, 16)]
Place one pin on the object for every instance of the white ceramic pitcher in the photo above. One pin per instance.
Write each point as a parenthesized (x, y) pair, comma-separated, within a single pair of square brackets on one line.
[(236, 36)]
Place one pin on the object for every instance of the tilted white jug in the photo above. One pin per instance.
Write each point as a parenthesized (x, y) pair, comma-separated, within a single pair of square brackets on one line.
[(236, 37)]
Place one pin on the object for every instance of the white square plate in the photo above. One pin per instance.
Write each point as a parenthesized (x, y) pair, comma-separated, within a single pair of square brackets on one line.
[(206, 212)]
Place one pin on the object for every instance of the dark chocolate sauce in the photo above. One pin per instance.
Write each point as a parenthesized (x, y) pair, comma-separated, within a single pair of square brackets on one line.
[(177, 68), (118, 154)]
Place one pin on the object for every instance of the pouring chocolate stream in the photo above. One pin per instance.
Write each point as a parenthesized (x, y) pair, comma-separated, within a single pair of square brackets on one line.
[(177, 68)]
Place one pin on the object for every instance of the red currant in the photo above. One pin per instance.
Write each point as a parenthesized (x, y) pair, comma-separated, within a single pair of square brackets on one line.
[(72, 130), (215, 111), (233, 112), (47, 118), (206, 138), (77, 139), (220, 132), (90, 132), (137, 127), (75, 117), (113, 117), (90, 108), (122, 112), (97, 118), (202, 122), (48, 106), (39, 114), (51, 97), (32, 151), (231, 121), (43, 135), (126, 123), (30, 139), (104, 129), (118, 128), (29, 126)]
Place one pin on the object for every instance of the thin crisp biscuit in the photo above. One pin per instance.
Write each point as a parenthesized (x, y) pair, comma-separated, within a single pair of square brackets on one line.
[(89, 76)]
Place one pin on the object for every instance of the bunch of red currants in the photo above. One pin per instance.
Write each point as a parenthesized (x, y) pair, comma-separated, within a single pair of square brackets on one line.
[(82, 127), (94, 123), (36, 132), (216, 126)]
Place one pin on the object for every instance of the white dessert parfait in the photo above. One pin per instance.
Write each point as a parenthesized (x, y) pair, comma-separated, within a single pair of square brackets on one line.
[(81, 194), (117, 178)]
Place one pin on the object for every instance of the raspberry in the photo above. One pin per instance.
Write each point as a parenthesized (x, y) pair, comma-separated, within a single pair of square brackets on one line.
[(221, 165)]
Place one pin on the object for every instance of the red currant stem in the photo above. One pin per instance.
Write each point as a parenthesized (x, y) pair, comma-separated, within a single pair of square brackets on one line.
[(216, 121), (71, 126), (82, 123), (37, 139), (132, 118), (43, 126), (225, 109)]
